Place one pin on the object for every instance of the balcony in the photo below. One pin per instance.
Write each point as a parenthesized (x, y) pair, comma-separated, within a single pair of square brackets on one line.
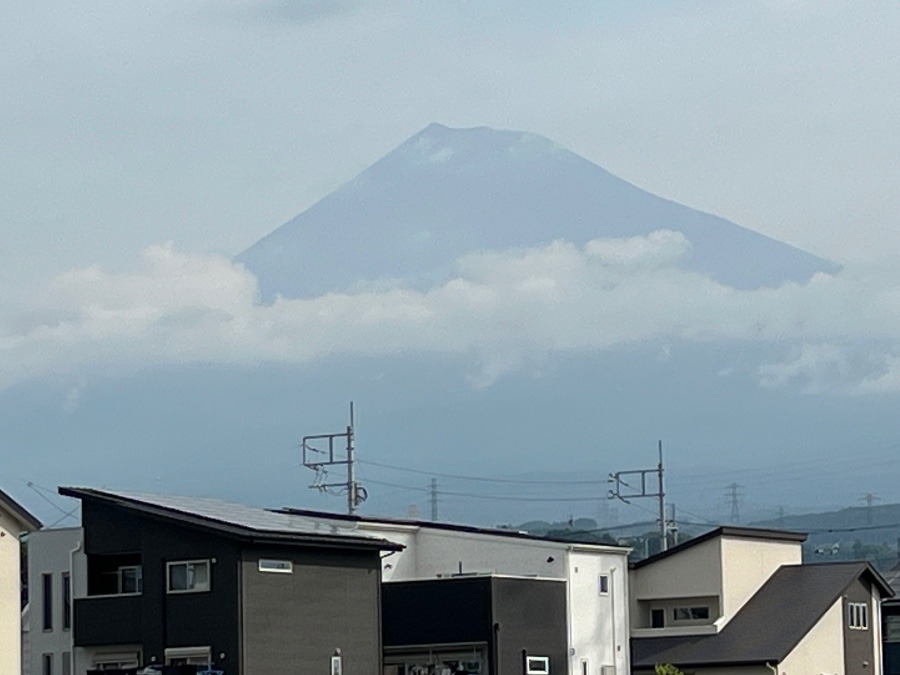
[(108, 620)]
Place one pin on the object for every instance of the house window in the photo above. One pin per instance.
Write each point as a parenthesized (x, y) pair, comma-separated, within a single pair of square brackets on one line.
[(47, 601), (67, 663), (117, 660), (657, 618), (537, 665), (337, 665), (277, 566), (603, 584), (858, 615), (47, 663), (188, 656), (691, 613), (190, 576), (131, 579), (66, 601)]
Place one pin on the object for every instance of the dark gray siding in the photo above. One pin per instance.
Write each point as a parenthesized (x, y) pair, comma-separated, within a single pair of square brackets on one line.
[(158, 619), (531, 615), (858, 644), (292, 623)]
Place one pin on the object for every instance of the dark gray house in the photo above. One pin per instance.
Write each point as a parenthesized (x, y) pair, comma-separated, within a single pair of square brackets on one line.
[(475, 625), (200, 582)]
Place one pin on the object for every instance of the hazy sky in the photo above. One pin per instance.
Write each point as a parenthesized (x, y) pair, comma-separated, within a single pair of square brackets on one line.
[(208, 124)]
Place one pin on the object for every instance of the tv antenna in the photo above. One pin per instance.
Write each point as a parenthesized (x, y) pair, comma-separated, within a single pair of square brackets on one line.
[(322, 451)]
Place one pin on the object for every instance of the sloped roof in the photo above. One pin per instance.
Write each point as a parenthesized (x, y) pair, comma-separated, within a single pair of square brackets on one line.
[(759, 533), (19, 512), (768, 626), (454, 527), (234, 519)]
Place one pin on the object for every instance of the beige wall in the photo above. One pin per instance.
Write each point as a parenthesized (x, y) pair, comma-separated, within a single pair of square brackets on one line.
[(694, 572), (10, 596), (822, 649), (747, 565)]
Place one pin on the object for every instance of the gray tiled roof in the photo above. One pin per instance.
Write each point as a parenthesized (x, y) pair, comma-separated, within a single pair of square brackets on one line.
[(768, 627), (228, 516)]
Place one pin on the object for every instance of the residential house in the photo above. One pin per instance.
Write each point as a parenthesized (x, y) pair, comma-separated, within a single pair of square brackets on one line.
[(181, 581), (594, 579), (15, 520), (739, 600), (56, 574)]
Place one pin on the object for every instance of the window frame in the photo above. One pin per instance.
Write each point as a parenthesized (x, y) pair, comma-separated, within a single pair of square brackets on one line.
[(46, 664), (537, 665), (603, 584), (701, 609), (66, 592), (139, 579), (207, 562), (47, 602), (275, 566), (858, 615)]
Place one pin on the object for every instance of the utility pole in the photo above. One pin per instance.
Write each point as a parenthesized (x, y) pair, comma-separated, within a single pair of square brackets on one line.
[(319, 459), (734, 495), (434, 500), (642, 489), (869, 499)]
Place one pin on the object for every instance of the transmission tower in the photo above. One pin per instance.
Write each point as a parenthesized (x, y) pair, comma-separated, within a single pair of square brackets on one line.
[(869, 499), (434, 499), (320, 452), (733, 494)]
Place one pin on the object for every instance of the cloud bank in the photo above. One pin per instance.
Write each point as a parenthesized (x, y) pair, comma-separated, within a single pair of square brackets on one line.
[(502, 310)]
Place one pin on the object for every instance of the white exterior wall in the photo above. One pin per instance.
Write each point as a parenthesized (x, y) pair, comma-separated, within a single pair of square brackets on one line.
[(747, 564), (819, 651), (598, 624), (442, 552), (49, 552), (10, 594)]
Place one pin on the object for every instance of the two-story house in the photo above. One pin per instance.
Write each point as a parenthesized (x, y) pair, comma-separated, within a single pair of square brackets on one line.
[(179, 581), (739, 600), (570, 599), (15, 520)]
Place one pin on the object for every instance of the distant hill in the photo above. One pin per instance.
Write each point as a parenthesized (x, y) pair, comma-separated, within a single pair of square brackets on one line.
[(448, 192)]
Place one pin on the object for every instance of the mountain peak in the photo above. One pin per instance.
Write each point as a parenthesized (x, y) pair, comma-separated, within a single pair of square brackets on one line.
[(446, 192)]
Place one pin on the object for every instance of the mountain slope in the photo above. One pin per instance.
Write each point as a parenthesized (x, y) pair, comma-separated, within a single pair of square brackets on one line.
[(447, 192)]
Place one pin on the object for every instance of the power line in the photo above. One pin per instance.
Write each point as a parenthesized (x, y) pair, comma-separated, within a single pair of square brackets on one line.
[(503, 498), (484, 479)]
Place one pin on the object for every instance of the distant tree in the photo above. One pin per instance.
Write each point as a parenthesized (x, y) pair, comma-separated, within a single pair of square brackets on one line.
[(667, 669)]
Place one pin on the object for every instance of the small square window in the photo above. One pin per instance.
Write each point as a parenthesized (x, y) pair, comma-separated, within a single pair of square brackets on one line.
[(190, 576), (537, 665)]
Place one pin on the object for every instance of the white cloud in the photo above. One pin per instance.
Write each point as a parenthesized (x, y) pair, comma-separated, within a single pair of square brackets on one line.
[(503, 311)]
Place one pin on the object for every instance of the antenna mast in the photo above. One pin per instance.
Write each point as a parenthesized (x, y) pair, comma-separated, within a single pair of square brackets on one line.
[(319, 453)]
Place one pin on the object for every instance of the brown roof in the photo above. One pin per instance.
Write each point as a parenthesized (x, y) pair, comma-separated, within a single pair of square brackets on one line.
[(769, 625)]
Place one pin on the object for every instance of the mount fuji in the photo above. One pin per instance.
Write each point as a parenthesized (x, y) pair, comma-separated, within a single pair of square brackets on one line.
[(447, 192)]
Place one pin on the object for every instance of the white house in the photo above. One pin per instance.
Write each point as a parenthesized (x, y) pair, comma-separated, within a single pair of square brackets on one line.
[(596, 576), (56, 575), (15, 521), (739, 601)]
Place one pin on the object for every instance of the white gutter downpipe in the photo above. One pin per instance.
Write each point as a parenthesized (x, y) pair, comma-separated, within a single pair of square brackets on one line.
[(72, 601), (774, 669)]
